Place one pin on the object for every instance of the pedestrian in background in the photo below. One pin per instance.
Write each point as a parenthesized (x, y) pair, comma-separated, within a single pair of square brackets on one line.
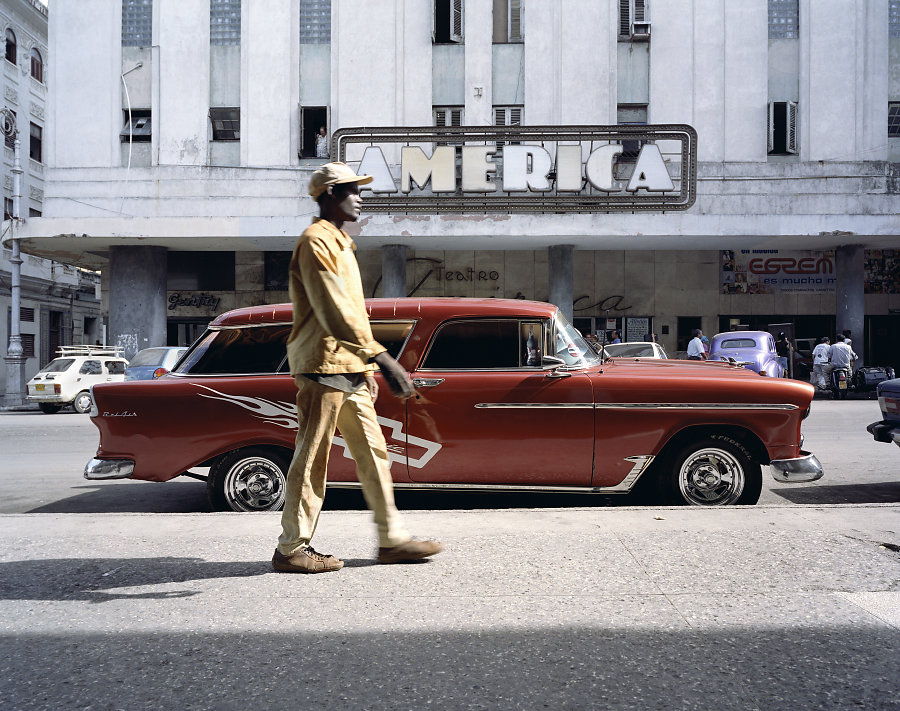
[(783, 352), (695, 349), (821, 357), (321, 143), (332, 355)]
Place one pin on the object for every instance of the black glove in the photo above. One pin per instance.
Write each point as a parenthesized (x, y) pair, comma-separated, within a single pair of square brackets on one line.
[(397, 379)]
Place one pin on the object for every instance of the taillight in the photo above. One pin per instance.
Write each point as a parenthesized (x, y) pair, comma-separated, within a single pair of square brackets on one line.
[(763, 372), (159, 372), (57, 388)]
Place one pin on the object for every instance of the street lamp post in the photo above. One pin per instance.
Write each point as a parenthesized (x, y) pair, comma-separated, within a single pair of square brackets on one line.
[(15, 355)]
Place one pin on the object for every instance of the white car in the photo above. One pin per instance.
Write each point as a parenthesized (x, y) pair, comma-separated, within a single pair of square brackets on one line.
[(634, 349), (67, 379)]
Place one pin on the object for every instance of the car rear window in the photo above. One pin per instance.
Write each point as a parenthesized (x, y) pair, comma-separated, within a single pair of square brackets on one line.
[(115, 367), (59, 365), (149, 356), (260, 349), (738, 343)]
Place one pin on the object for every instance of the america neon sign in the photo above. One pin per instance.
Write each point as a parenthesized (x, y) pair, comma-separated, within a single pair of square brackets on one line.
[(523, 169)]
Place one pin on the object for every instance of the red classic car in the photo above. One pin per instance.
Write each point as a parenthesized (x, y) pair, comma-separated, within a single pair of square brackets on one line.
[(508, 396)]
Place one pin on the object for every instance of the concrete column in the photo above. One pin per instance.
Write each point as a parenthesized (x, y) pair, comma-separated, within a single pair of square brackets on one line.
[(850, 305), (137, 297), (560, 264), (393, 271)]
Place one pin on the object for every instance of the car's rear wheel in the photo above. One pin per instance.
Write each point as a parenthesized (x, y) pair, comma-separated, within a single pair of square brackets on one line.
[(48, 408), (250, 479), (82, 402), (712, 471)]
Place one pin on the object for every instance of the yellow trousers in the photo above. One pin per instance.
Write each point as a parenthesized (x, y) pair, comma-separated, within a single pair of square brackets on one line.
[(319, 410)]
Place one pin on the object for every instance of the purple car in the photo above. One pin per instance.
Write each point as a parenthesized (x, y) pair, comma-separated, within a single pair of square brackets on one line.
[(755, 350)]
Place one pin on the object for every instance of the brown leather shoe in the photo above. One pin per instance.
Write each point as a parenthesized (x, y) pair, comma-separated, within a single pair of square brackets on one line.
[(409, 551), (305, 561)]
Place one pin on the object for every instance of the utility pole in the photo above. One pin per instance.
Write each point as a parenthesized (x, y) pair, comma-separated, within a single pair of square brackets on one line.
[(15, 357)]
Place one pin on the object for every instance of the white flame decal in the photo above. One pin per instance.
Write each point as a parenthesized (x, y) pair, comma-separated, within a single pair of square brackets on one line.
[(284, 414)]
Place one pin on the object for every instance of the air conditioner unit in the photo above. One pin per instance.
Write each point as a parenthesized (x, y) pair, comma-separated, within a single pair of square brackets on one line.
[(640, 31)]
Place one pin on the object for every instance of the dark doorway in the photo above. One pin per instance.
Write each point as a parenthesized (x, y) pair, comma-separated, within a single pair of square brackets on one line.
[(686, 326), (183, 332), (311, 119), (882, 341)]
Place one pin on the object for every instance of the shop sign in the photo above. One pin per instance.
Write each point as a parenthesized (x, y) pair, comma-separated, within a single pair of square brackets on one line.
[(776, 271), (194, 301), (524, 168)]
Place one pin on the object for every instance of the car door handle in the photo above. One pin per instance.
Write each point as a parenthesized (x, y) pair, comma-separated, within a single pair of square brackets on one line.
[(427, 382)]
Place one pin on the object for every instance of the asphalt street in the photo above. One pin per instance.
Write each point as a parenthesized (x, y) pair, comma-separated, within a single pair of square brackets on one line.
[(536, 603)]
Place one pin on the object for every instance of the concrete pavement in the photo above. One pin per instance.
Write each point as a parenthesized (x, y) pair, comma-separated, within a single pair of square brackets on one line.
[(607, 608)]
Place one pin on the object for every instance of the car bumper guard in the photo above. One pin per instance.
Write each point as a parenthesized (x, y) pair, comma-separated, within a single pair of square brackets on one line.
[(885, 431), (109, 469), (797, 469)]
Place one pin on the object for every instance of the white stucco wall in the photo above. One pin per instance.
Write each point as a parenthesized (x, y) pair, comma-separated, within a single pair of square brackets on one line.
[(478, 91)]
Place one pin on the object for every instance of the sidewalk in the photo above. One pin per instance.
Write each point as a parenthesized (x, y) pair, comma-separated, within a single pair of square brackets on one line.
[(622, 608)]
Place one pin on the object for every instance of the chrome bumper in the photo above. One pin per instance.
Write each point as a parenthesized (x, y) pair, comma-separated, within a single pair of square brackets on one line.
[(804, 468), (885, 431), (109, 469)]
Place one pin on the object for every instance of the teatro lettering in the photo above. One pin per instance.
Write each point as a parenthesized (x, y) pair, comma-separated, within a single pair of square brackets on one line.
[(523, 169)]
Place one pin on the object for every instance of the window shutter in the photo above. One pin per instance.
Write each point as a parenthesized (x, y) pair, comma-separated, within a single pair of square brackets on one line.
[(515, 116), (456, 10), (770, 127), (640, 10), (624, 17), (499, 117), (515, 20), (440, 117), (791, 141), (456, 117)]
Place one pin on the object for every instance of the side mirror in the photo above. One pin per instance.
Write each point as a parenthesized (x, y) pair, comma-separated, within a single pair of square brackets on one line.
[(548, 361)]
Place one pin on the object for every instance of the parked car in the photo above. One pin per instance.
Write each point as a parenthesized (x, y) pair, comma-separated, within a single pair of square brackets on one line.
[(67, 379), (634, 349), (481, 419), (152, 363), (888, 428), (755, 350)]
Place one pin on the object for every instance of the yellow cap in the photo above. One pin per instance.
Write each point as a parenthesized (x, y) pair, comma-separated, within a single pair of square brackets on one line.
[(334, 174)]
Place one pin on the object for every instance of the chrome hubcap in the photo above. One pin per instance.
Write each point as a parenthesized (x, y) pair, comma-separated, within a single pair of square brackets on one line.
[(711, 477), (254, 484)]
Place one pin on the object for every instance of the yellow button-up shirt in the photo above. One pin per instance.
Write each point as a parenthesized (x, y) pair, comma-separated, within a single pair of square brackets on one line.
[(331, 332)]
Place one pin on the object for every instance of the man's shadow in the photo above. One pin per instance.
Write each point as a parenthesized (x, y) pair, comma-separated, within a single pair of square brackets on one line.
[(92, 579)]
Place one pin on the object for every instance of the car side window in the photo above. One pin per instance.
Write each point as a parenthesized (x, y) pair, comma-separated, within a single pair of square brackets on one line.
[(392, 335), (259, 349), (115, 367), (90, 367), (476, 345)]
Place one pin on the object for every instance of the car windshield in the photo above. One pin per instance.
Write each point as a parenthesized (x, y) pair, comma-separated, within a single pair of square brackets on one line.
[(59, 365), (149, 356), (630, 350), (738, 343), (570, 345)]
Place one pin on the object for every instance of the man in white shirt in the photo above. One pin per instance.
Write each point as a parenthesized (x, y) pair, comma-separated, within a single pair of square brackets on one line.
[(695, 349), (842, 355), (821, 354)]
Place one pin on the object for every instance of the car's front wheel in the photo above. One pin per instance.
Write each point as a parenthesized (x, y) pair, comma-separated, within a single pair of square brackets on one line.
[(48, 408), (82, 402), (250, 479), (712, 471)]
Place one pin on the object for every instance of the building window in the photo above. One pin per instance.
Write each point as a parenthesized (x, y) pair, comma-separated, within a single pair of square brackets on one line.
[(137, 23), (37, 65), (7, 208), (26, 314), (277, 267), (312, 120), (894, 18), (10, 46), (508, 21), (200, 271), (448, 22), (894, 119), (782, 128), (508, 116), (34, 148), (631, 115), (784, 19), (634, 19), (226, 124), (34, 213), (315, 21), (138, 127), (10, 141), (225, 22), (448, 115)]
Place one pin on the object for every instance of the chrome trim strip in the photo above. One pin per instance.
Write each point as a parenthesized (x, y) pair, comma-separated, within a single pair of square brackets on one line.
[(536, 405), (694, 406)]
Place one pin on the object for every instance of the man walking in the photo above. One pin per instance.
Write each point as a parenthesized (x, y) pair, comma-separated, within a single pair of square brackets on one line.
[(695, 349), (332, 355), (821, 356)]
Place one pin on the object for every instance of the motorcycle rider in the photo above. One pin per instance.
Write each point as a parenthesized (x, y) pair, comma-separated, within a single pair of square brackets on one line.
[(842, 356)]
